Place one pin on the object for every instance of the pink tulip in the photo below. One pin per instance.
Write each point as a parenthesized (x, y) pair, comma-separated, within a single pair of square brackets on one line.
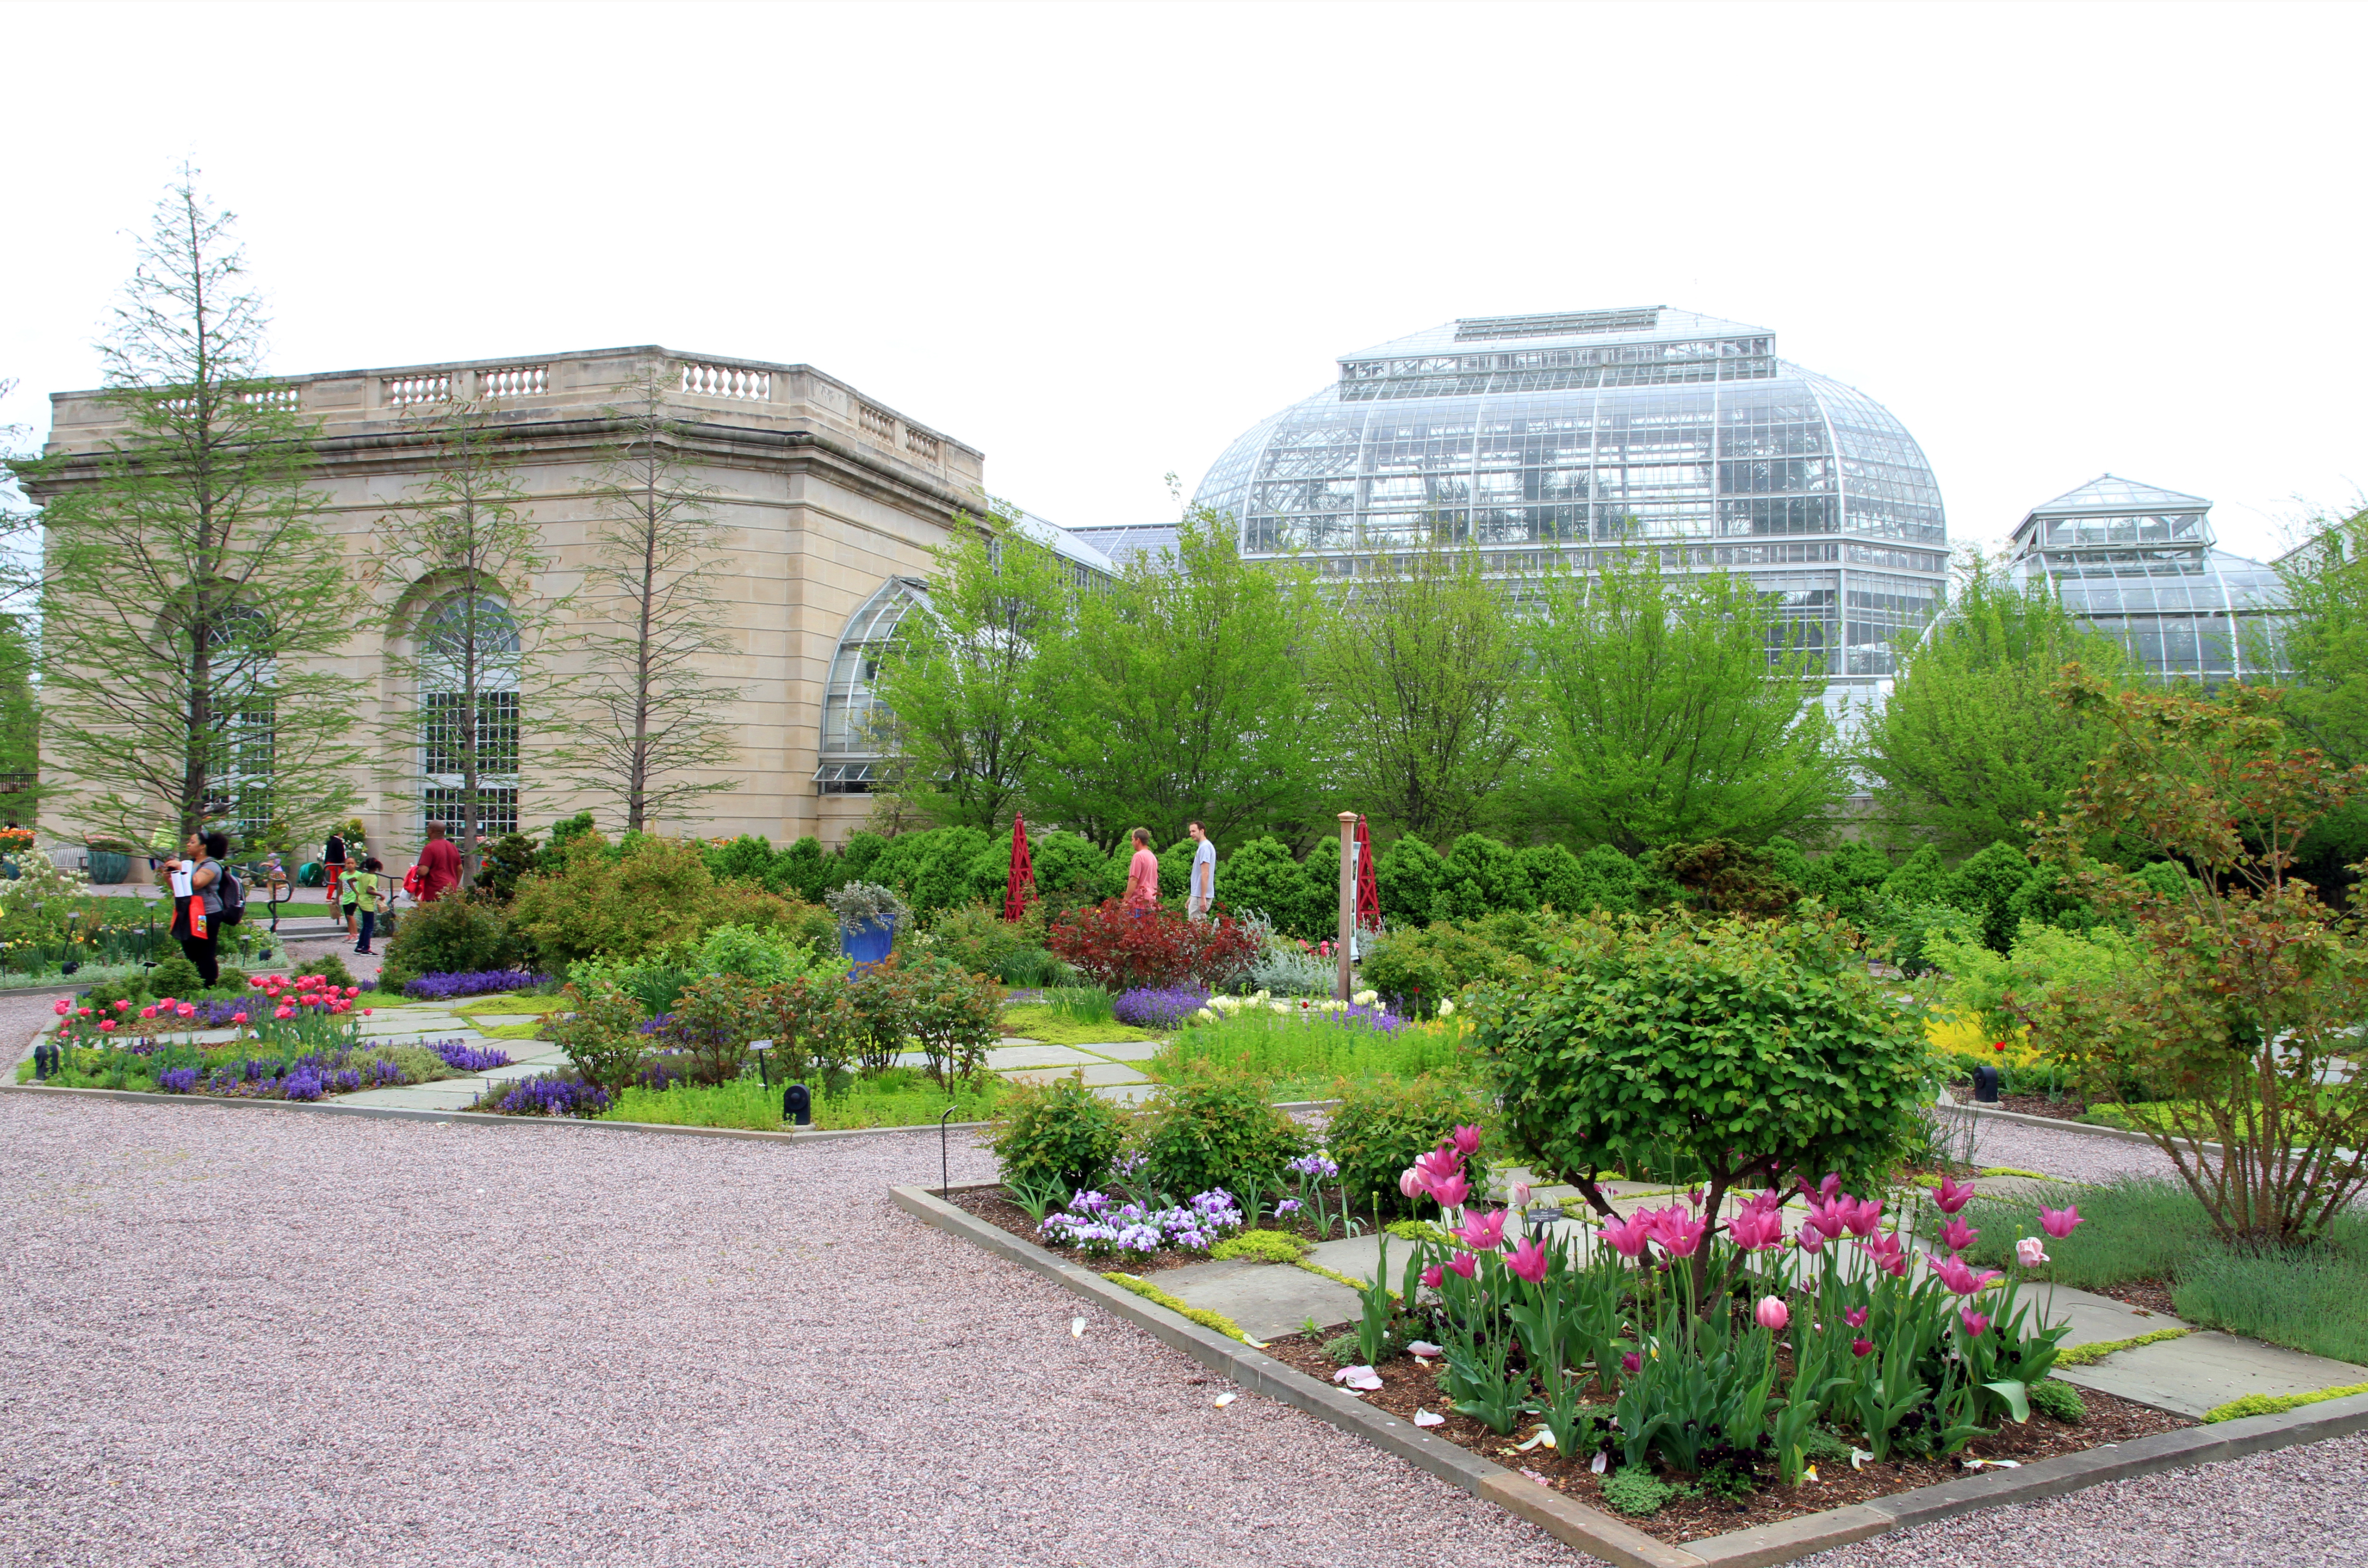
[(1812, 1239), (1410, 1182), (1528, 1259), (1519, 1198), (1451, 1192), (1974, 1322), (1862, 1347), (185, 1010), (1864, 1217), (163, 1001), (1628, 1236), (1464, 1264), (2058, 1222), (366, 1011), (1854, 1316), (1961, 1279), (2029, 1253), (124, 1006), (1887, 1255), (1757, 1229), (238, 1017), (1695, 1198), (1439, 1165), (82, 1012), (107, 1026), (1432, 1277), (1772, 1314), (1679, 1236), (353, 990), (1956, 1235), (1632, 1363), (284, 1011), (1830, 1186), (63, 1008), (1950, 1197), (1485, 1235), (148, 1012), (1467, 1140)]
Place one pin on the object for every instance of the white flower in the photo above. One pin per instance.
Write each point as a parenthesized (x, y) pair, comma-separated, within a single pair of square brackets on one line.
[(1203, 1015), (1366, 998), (1447, 1008), (2029, 1253)]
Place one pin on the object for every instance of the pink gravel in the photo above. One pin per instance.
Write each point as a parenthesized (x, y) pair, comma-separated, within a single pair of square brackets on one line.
[(271, 1336)]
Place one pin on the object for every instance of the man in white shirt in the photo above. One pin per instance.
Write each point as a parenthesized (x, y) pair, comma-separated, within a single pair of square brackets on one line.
[(1202, 889)]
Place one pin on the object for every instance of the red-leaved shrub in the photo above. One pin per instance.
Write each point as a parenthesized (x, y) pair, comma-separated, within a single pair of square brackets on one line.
[(1120, 948)]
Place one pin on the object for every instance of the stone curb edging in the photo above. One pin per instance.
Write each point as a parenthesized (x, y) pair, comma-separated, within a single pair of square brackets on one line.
[(1600, 1534)]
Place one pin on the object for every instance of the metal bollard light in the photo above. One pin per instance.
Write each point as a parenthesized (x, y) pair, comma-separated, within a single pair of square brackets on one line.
[(45, 1061), (1985, 1085), (797, 1106)]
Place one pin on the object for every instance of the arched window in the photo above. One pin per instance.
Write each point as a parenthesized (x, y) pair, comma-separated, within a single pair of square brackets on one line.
[(851, 759), (459, 635)]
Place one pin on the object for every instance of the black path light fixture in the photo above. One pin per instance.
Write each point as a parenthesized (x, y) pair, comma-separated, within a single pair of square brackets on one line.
[(1985, 1085), (797, 1106)]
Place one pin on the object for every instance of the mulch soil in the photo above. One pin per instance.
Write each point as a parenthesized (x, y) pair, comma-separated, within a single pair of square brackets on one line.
[(2147, 1295), (2063, 1109), (1407, 1383)]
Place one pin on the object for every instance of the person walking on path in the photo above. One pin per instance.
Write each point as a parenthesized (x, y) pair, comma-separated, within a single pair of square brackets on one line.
[(195, 876), (439, 865), (364, 884), (1204, 889), (1143, 876), (333, 871)]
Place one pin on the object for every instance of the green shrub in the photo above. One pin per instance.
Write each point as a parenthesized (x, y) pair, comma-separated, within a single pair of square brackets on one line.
[(801, 869), (1904, 933), (747, 859), (331, 968), (1479, 876), (1418, 968), (1721, 1045), (600, 1030), (176, 977), (1380, 1128), (955, 1016), (2057, 1400), (1407, 875), (979, 939), (231, 979), (501, 863), (2039, 959), (931, 869), (1207, 1130), (452, 935), (709, 1027), (1059, 1131), (650, 894), (1637, 1492), (761, 956), (1263, 875), (1720, 877)]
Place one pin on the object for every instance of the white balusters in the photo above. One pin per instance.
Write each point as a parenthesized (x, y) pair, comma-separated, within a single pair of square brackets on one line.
[(878, 424), (409, 391), (514, 381), (921, 444), (727, 380)]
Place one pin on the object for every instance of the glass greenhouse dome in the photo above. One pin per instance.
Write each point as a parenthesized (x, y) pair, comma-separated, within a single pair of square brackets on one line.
[(2140, 564), (1536, 437)]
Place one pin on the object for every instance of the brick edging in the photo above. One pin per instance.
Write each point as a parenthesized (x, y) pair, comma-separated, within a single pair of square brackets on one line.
[(1597, 1533)]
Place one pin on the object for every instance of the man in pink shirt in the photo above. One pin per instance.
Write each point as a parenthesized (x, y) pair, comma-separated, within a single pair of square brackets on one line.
[(1143, 875)]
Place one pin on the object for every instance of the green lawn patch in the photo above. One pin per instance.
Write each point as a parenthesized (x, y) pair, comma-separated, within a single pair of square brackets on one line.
[(901, 1096), (2315, 1300), (2139, 1229), (1036, 1021), (1302, 1058), (502, 1001)]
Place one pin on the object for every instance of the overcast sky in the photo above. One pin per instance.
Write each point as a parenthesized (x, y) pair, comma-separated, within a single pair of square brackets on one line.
[(1099, 242)]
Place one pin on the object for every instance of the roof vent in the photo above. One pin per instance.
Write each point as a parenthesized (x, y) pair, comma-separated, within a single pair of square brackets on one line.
[(1475, 328)]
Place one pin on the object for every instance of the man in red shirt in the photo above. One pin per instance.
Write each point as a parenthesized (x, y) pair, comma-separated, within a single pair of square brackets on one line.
[(439, 865), (1141, 876)]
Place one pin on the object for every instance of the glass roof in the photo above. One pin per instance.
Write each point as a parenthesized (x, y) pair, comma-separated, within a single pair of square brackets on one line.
[(2140, 564)]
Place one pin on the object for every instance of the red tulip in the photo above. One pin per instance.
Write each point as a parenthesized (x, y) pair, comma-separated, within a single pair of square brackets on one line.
[(1862, 1347), (1632, 1363)]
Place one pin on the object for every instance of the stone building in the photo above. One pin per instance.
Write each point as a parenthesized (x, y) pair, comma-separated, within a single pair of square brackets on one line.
[(830, 502)]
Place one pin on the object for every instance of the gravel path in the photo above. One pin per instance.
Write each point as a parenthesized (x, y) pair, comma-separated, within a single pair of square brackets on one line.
[(246, 1336)]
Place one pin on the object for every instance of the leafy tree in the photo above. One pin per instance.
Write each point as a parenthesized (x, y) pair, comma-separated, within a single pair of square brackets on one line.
[(467, 555), (1182, 697), (2326, 656), (1677, 709), (650, 722), (1420, 668), (1971, 745), (2244, 1036), (964, 699), (203, 594)]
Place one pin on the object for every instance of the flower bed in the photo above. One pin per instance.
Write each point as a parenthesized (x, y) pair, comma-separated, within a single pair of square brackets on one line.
[(249, 1070), (1157, 1009), (1099, 1227), (443, 987)]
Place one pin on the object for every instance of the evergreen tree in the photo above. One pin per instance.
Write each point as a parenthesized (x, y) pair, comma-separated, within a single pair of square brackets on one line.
[(192, 593)]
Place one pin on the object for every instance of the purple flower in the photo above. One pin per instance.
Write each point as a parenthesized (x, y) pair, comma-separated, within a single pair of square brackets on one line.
[(470, 1058), (177, 1080), (1157, 1009), (472, 983), (550, 1094)]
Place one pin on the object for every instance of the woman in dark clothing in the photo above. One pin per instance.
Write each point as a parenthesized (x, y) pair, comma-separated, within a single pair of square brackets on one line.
[(202, 863), (333, 869)]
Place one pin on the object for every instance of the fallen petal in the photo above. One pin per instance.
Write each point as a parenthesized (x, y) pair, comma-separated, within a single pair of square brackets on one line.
[(1424, 1349), (1424, 1418), (1859, 1457), (1076, 1328), (1539, 1435), (1602, 1463), (1223, 1399), (1358, 1377)]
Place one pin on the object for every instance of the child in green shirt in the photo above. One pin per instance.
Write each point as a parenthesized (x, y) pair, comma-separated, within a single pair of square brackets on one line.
[(360, 894)]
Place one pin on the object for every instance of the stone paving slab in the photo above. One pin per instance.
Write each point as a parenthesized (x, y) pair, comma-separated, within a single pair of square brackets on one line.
[(1123, 1049), (1127, 1094), (1097, 1074), (419, 1096), (1006, 1058), (1265, 1299), (2094, 1319), (2197, 1371)]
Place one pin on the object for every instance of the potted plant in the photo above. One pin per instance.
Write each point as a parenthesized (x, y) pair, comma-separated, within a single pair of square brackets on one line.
[(867, 913), (110, 860)]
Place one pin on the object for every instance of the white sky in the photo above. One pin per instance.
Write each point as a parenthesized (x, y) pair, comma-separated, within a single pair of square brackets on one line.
[(1099, 242)]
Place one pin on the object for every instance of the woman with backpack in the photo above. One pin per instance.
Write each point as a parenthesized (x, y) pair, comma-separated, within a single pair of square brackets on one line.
[(196, 878)]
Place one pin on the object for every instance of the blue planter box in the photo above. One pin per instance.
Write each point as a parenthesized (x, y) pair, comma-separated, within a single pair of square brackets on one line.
[(867, 943)]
